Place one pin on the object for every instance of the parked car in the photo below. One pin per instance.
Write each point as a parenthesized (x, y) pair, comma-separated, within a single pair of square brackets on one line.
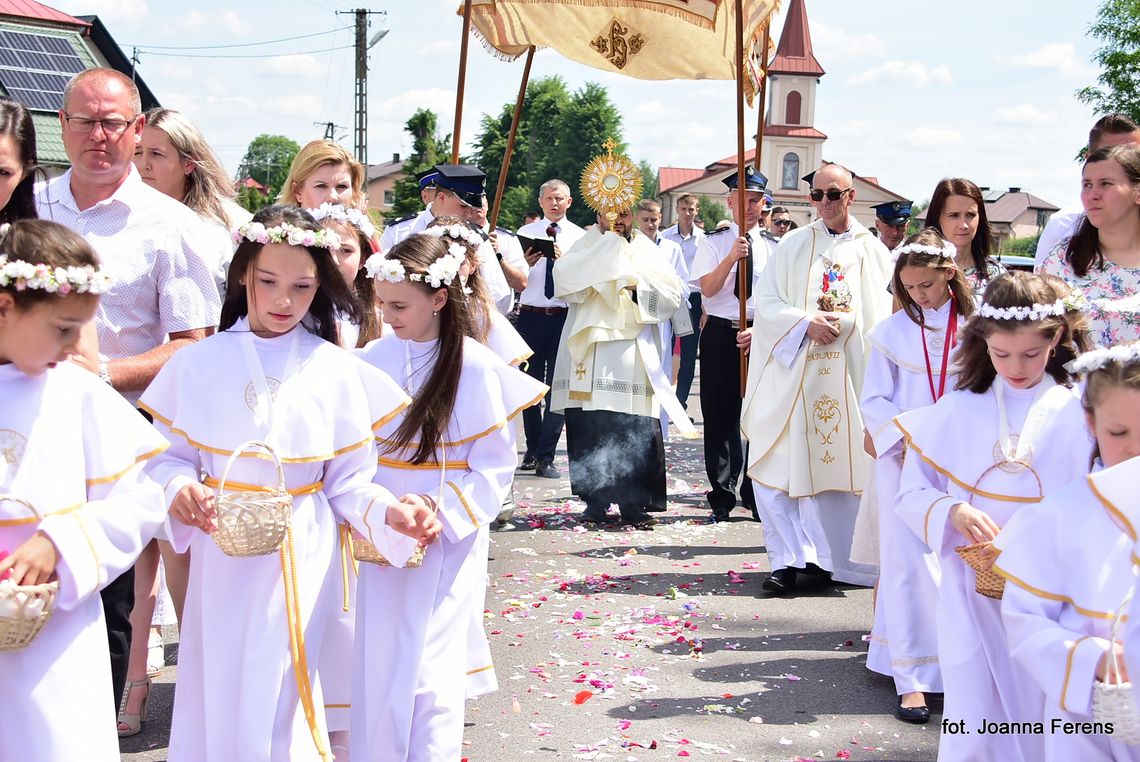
[(1016, 262)]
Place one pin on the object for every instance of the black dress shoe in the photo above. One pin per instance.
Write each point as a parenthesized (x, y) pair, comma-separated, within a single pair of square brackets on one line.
[(593, 516), (916, 715), (780, 581), (528, 462), (718, 516), (656, 508), (639, 520), (547, 471), (814, 571)]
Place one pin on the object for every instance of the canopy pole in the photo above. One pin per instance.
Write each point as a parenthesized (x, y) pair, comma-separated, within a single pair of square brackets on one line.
[(763, 97), (462, 81), (741, 199), (494, 218)]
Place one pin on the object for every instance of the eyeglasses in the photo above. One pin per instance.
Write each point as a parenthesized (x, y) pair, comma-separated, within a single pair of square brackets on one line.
[(833, 194), (782, 223), (85, 124)]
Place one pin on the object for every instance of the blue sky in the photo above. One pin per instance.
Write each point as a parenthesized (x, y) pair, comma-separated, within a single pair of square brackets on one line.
[(914, 91)]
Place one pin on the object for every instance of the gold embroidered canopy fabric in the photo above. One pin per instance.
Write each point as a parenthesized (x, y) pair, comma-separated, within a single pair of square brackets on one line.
[(645, 39)]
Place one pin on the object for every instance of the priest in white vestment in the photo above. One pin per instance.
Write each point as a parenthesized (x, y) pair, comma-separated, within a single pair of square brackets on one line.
[(608, 377), (821, 292)]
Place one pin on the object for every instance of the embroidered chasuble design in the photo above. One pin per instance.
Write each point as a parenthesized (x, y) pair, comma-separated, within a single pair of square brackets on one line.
[(826, 400)]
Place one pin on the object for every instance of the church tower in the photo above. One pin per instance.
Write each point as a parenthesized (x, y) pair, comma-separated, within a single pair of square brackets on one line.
[(792, 145)]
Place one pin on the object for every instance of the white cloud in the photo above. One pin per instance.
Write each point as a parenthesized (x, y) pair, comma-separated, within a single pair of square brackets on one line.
[(304, 65), (831, 43), (910, 73), (930, 137), (110, 12), (402, 106), (195, 20), (1061, 57), (1025, 114)]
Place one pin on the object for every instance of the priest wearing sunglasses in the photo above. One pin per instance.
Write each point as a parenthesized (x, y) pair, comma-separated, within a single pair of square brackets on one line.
[(818, 296)]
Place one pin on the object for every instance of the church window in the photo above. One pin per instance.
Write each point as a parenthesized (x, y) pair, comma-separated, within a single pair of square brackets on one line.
[(790, 176), (792, 111)]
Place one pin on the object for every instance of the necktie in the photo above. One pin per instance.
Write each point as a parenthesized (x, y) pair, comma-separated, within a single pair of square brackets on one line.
[(747, 262), (548, 284)]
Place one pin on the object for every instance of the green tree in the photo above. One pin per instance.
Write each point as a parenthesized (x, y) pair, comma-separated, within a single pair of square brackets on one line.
[(1117, 27), (251, 199), (428, 149), (648, 179), (712, 212), (559, 132), (267, 160)]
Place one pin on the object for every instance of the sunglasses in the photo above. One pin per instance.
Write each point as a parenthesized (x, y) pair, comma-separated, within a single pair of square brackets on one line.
[(782, 223), (833, 194)]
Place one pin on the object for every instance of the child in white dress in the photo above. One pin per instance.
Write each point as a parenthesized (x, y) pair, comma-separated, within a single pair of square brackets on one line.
[(1007, 436), (247, 687), (357, 237), (1068, 562), (456, 446), (75, 506), (909, 367)]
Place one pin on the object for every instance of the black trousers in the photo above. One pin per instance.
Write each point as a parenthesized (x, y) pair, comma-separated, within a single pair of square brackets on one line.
[(720, 404), (118, 600), (541, 428), (616, 458), (686, 371)]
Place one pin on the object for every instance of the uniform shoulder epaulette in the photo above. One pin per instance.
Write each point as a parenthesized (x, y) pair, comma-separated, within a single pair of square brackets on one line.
[(502, 229), (718, 231), (765, 233), (403, 219)]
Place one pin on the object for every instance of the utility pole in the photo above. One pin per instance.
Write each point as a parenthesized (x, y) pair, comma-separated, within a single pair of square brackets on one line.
[(330, 129), (134, 62), (360, 126)]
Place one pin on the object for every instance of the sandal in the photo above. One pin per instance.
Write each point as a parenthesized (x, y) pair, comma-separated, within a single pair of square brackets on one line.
[(131, 724)]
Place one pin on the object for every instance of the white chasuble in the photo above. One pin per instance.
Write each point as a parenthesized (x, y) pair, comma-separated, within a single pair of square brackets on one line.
[(74, 450), (609, 357), (801, 408), (248, 683)]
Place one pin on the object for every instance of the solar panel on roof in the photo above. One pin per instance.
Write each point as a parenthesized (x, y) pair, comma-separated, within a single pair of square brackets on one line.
[(35, 68)]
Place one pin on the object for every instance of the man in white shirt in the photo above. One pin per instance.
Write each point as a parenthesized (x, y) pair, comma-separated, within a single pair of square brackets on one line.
[(163, 295), (508, 251), (688, 236), (541, 317), (714, 272), (401, 228), (1109, 130)]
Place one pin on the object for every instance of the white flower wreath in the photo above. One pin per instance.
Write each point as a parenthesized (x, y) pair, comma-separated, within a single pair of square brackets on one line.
[(25, 276), (283, 232), (346, 215), (440, 273), (1121, 354)]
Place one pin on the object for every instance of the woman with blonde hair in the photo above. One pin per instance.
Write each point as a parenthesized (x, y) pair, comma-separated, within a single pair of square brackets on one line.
[(324, 172)]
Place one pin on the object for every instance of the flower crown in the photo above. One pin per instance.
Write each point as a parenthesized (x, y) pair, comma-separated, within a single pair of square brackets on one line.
[(946, 251), (283, 232), (25, 276), (1074, 302), (439, 273), (458, 233), (1097, 359), (346, 215)]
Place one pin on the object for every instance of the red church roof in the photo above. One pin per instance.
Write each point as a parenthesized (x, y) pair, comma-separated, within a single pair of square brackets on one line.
[(671, 177), (794, 54), (30, 9)]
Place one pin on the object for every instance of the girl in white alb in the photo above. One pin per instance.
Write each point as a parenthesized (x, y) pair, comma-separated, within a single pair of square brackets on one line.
[(1068, 562), (1008, 435), (456, 446), (248, 687), (909, 367), (75, 506)]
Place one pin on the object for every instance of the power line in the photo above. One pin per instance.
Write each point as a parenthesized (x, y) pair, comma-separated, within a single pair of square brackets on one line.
[(239, 45), (247, 55)]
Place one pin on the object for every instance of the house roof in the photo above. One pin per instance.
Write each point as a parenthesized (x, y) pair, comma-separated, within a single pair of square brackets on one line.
[(794, 54), (377, 171), (671, 177), (49, 140), (29, 9), (1010, 206)]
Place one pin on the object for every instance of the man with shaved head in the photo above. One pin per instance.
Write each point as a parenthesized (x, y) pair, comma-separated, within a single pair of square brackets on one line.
[(821, 292)]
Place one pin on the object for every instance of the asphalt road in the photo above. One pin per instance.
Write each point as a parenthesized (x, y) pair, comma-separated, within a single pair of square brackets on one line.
[(649, 645)]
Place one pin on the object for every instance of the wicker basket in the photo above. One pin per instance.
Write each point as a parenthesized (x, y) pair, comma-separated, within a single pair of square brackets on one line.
[(365, 552), (980, 557), (24, 609), (1114, 701), (252, 523)]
